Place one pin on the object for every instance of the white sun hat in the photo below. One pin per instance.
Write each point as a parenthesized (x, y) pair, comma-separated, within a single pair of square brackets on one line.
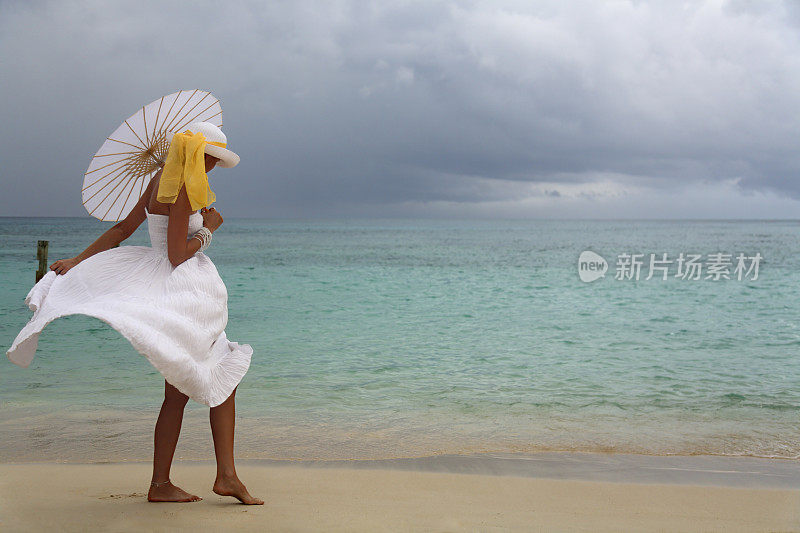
[(216, 143)]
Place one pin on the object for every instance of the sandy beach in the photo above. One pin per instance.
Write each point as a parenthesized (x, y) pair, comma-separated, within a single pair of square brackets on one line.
[(476, 267), (430, 494)]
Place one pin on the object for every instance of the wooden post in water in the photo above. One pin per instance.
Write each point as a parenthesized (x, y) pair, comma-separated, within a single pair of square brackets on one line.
[(41, 255)]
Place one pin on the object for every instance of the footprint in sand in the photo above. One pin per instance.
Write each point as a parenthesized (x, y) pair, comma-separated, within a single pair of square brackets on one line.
[(119, 496)]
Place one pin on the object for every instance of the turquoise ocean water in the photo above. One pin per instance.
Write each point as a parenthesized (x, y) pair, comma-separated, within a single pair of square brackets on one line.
[(385, 338)]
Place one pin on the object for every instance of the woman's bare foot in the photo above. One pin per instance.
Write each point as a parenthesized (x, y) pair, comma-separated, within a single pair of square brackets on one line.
[(231, 486), (170, 493)]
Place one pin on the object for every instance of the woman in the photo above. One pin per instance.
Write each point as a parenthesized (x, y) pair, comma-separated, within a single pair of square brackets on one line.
[(167, 300)]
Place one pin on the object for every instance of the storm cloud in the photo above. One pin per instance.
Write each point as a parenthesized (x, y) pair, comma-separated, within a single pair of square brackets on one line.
[(346, 108)]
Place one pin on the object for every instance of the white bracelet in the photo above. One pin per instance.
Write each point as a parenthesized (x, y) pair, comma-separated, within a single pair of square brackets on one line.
[(204, 235), (199, 237), (207, 234)]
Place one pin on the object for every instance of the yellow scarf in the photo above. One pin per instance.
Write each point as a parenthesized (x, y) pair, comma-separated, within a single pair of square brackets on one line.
[(186, 164)]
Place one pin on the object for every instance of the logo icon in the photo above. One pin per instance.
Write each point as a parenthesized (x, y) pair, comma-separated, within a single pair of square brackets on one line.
[(591, 266)]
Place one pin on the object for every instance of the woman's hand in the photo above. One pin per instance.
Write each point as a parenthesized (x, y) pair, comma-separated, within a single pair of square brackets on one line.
[(212, 219), (63, 265)]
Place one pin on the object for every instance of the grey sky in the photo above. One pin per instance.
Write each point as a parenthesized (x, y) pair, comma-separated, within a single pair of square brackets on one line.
[(464, 109)]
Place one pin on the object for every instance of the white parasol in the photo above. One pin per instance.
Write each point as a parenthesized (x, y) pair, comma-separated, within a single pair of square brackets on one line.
[(122, 168)]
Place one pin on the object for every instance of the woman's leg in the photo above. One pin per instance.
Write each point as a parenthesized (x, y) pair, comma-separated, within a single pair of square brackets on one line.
[(222, 424), (168, 429)]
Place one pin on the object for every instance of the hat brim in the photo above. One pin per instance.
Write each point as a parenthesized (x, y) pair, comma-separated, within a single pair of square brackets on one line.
[(227, 159)]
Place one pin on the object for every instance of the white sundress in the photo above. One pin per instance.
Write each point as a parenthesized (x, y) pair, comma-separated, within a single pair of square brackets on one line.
[(174, 316)]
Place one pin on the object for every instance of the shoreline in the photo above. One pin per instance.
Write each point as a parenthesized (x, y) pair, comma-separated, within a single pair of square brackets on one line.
[(508, 492), (709, 470), (110, 434)]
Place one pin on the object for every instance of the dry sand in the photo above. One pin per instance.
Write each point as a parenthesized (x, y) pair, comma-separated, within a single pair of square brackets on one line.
[(111, 497)]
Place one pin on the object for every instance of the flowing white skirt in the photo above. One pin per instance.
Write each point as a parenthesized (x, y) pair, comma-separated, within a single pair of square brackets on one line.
[(174, 316)]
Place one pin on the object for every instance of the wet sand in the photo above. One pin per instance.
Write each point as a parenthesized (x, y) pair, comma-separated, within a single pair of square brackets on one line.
[(487, 492)]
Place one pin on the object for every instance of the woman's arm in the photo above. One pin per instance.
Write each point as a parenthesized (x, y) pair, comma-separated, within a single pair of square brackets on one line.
[(179, 248), (114, 235), (191, 249), (106, 241)]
